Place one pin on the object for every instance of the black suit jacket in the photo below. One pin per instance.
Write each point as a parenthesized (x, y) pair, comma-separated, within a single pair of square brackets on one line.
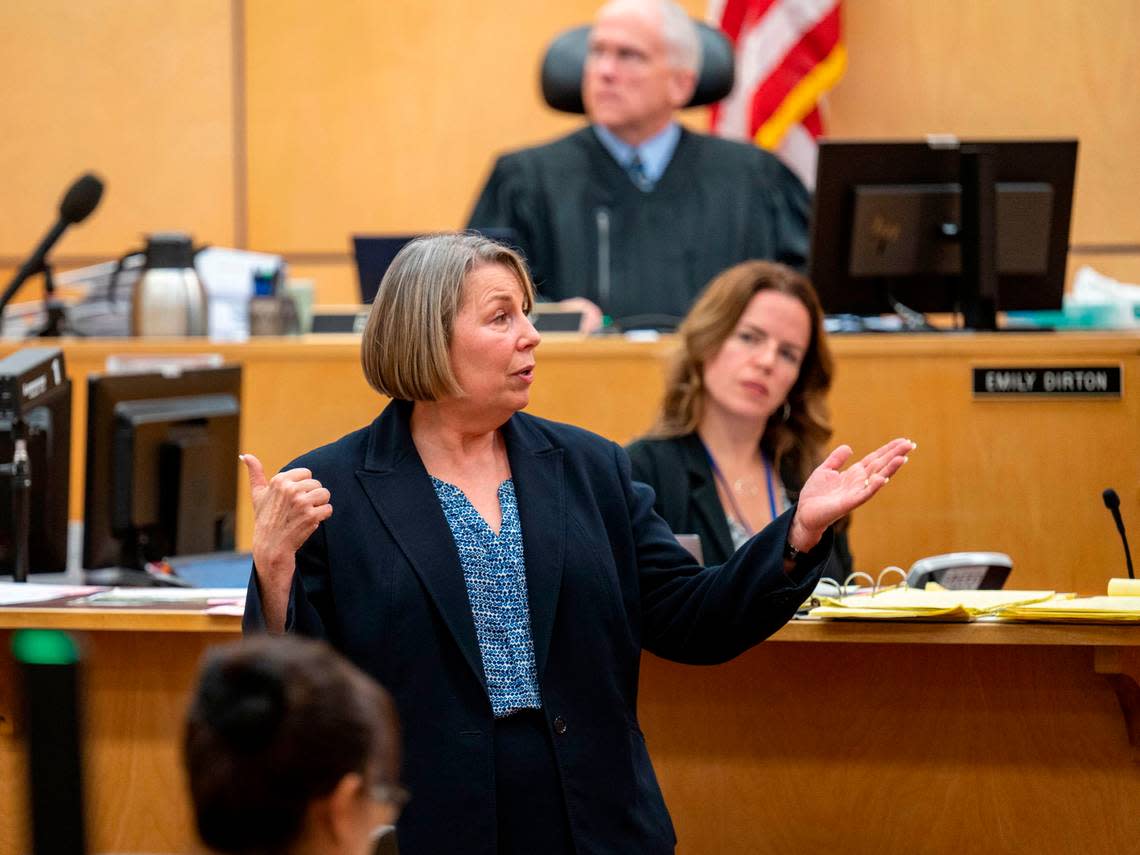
[(381, 579), (679, 472)]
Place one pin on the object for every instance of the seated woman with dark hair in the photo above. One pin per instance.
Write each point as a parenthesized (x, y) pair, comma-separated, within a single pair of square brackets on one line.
[(744, 421), (290, 749)]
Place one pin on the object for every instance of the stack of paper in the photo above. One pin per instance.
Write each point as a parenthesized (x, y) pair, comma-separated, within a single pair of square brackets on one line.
[(913, 604), (222, 601), (1122, 605), (1080, 610), (28, 593)]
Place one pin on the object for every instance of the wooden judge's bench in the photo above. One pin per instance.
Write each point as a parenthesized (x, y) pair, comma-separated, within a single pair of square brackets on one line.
[(830, 737), (1016, 474)]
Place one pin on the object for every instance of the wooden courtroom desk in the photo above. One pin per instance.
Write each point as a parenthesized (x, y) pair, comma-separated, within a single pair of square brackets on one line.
[(852, 738), (1018, 476), (139, 668)]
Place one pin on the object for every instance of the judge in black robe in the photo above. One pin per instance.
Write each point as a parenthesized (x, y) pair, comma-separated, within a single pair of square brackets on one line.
[(588, 231)]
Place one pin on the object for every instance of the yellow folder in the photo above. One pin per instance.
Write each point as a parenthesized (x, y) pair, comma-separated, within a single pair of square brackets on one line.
[(1120, 605), (929, 605)]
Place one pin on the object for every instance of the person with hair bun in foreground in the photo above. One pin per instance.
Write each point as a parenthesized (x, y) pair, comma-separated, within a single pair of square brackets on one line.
[(501, 573), (289, 748)]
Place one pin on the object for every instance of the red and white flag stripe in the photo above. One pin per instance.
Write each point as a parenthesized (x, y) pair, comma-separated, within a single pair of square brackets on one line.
[(789, 53)]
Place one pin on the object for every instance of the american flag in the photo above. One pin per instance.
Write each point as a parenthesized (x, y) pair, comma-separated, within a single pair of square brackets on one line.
[(789, 53)]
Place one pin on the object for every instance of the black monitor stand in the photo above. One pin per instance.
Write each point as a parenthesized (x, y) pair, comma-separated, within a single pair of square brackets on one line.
[(979, 237), (19, 475)]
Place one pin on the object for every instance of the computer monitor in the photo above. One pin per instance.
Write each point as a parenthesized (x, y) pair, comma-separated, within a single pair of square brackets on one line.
[(35, 406), (942, 226), (374, 254), (161, 465)]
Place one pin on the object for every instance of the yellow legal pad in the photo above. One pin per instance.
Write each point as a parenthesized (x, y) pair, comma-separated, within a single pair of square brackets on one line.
[(1107, 609), (913, 604)]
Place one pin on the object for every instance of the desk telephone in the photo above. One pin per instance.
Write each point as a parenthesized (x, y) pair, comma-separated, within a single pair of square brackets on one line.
[(962, 571)]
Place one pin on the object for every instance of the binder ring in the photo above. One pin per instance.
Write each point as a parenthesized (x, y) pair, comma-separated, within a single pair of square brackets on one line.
[(887, 571), (855, 577)]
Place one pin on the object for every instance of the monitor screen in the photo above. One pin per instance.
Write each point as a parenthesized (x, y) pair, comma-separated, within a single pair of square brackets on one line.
[(161, 465), (887, 224), (374, 254)]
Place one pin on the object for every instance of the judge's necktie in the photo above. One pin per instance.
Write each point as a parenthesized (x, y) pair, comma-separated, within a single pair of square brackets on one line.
[(636, 170)]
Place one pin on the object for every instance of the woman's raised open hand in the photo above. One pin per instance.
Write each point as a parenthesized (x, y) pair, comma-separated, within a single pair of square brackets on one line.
[(831, 492)]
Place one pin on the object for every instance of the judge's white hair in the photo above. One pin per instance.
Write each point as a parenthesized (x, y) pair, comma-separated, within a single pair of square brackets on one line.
[(682, 42), (680, 35)]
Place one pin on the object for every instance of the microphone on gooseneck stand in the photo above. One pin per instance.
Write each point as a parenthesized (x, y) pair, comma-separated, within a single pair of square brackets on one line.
[(605, 267), (1112, 502), (81, 198)]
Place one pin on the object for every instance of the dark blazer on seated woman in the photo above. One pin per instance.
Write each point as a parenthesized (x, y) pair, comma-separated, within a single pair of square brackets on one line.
[(678, 470), (381, 579)]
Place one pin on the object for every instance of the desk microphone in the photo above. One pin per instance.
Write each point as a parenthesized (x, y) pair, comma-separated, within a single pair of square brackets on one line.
[(1112, 502), (81, 198)]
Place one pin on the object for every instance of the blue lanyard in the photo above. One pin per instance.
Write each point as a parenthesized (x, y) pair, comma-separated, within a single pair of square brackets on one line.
[(736, 512)]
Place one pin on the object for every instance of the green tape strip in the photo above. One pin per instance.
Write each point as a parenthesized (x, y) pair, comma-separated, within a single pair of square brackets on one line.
[(44, 647)]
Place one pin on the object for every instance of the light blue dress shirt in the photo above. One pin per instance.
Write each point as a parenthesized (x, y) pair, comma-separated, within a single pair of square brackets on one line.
[(655, 152)]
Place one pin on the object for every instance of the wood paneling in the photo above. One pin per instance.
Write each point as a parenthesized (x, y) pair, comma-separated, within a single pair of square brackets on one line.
[(1021, 476), (1018, 476), (830, 737), (383, 117), (138, 92), (869, 748), (386, 117)]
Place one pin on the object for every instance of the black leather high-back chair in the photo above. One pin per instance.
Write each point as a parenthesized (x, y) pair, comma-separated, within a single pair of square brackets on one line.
[(566, 56)]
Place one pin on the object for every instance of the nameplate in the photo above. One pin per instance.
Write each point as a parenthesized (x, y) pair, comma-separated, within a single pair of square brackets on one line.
[(340, 322), (1067, 381)]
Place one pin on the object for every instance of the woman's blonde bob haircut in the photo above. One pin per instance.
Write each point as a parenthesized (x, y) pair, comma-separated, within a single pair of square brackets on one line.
[(405, 348), (796, 434)]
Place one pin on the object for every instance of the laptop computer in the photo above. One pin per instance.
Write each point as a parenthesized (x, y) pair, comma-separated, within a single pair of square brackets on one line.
[(374, 253)]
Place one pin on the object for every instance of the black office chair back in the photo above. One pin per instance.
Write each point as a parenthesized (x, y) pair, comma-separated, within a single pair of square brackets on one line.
[(566, 56)]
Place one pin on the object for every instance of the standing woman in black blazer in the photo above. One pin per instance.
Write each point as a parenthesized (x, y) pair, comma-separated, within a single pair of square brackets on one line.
[(744, 421), (500, 574)]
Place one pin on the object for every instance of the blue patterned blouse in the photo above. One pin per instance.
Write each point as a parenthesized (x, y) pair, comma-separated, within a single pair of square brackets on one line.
[(495, 574)]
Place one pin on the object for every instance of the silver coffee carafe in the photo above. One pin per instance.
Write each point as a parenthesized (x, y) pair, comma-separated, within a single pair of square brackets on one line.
[(168, 298)]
